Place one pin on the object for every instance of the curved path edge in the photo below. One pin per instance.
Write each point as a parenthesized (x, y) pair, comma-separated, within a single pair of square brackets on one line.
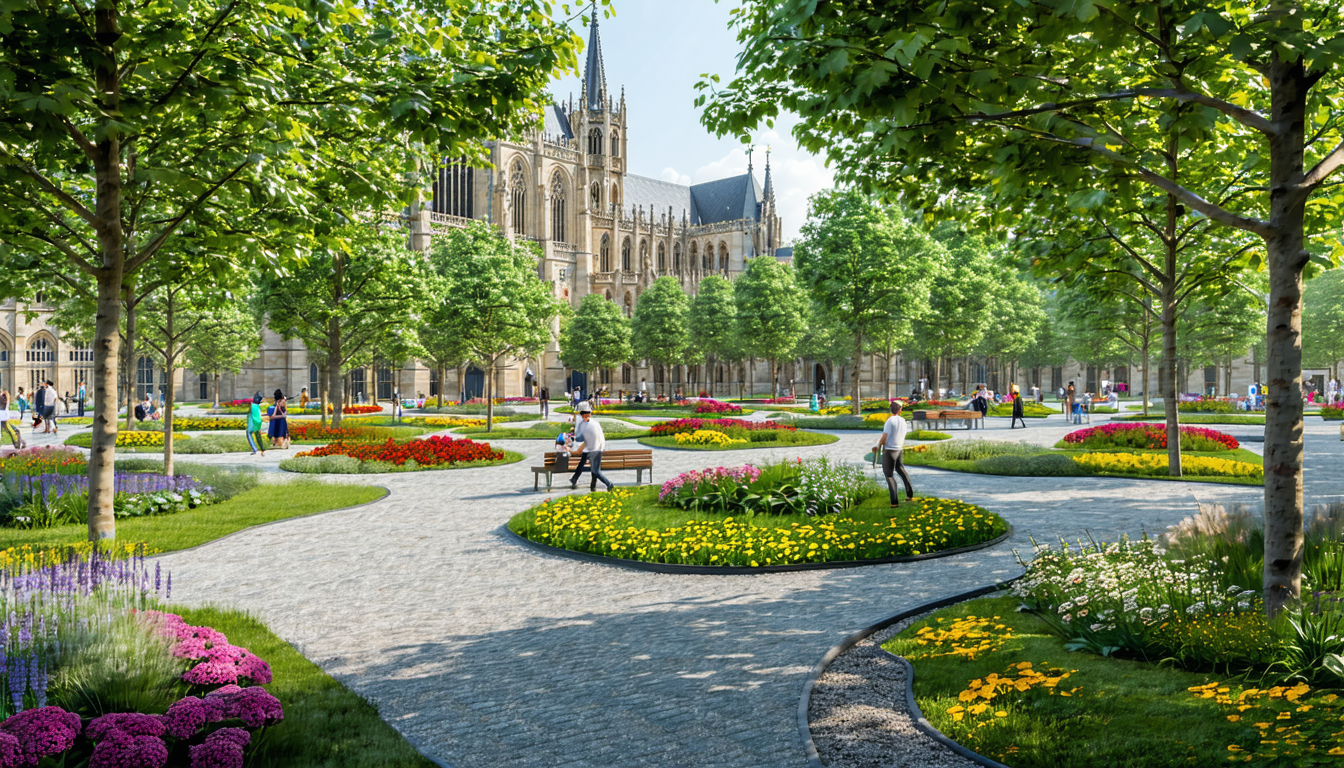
[(742, 570), (386, 492), (805, 701), (925, 727)]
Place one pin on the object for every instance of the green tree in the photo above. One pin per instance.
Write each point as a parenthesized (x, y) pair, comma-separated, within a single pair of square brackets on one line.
[(1013, 315), (597, 336), (1109, 308), (173, 315), (825, 341), (122, 123), (958, 296), (865, 266), (659, 330), (344, 299), (227, 339), (960, 94), (770, 308), (712, 322), (1323, 321), (496, 302), (439, 345)]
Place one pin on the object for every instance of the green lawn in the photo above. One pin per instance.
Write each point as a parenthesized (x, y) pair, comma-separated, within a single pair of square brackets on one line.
[(262, 504), (1157, 417), (326, 725), (1049, 462), (349, 465), (798, 438), (1122, 713), (547, 430)]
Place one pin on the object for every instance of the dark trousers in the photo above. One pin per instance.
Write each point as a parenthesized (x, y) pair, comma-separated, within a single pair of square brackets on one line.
[(891, 465), (545, 408), (594, 460), (1016, 418)]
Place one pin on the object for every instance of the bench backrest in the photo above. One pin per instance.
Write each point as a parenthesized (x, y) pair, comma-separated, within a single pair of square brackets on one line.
[(612, 459)]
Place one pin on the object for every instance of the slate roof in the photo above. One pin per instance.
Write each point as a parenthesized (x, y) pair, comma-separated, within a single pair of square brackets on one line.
[(555, 123), (785, 253), (656, 195), (736, 197)]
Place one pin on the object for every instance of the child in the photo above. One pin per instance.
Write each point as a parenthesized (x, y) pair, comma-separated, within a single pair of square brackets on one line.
[(254, 426)]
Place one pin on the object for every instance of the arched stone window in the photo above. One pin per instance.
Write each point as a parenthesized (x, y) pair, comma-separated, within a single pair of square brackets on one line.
[(723, 258), (615, 143), (708, 265), (627, 373), (518, 187), (695, 255), (629, 304), (608, 295), (615, 197), (625, 254), (595, 194), (558, 211), (595, 141), (643, 253), (604, 256), (662, 258), (676, 258)]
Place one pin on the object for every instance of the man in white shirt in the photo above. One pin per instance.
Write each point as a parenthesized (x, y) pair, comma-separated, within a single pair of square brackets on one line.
[(891, 444), (589, 441)]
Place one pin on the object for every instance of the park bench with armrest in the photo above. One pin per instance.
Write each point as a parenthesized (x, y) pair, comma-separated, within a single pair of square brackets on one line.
[(637, 460)]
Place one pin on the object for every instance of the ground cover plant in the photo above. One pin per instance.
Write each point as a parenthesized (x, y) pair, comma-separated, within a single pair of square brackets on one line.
[(1199, 418), (1147, 437), (131, 440), (1206, 405), (300, 432), (734, 438), (793, 512), (1029, 410), (992, 457), (845, 422), (433, 452), (927, 435), (548, 430), (710, 406), (1332, 412)]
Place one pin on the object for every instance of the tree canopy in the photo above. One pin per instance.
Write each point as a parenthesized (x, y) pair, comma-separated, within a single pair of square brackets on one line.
[(659, 330), (770, 311), (597, 336)]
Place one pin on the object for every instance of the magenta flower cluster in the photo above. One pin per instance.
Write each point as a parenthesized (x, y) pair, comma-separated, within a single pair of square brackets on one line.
[(33, 734), (709, 405), (696, 477), (220, 662), (133, 740)]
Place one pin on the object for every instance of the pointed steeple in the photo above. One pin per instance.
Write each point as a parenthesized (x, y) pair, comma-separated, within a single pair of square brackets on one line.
[(594, 75), (768, 194)]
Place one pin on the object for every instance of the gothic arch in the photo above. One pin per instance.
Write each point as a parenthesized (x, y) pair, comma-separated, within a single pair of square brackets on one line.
[(676, 258), (608, 294), (662, 258), (615, 143), (595, 196), (559, 207), (604, 256), (629, 304), (625, 255), (643, 253), (518, 183), (595, 141), (707, 265), (723, 258), (695, 255)]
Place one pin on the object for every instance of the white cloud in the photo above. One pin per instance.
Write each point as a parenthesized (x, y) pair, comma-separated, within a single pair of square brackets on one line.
[(674, 176), (797, 175)]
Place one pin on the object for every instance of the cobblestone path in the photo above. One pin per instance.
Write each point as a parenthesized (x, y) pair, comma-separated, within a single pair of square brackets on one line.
[(485, 653)]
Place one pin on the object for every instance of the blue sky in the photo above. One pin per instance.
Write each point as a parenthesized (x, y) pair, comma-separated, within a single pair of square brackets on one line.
[(657, 50)]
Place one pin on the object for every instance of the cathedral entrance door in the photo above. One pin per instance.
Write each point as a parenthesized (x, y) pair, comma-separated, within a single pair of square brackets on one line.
[(474, 383)]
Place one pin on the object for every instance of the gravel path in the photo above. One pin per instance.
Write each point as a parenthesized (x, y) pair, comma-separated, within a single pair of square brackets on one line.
[(484, 653)]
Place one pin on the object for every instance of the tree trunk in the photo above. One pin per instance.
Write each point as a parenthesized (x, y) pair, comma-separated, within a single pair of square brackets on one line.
[(102, 456), (937, 376), (1283, 370), (462, 385), (128, 357), (751, 376), (169, 367), (855, 391), (323, 393), (490, 396), (217, 378), (1146, 343), (335, 381)]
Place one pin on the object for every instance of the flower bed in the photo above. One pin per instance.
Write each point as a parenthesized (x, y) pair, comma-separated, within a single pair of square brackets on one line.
[(927, 434), (428, 452), (716, 406), (1029, 410), (599, 524), (664, 428), (705, 437), (1147, 436), (736, 438), (47, 459), (1155, 465), (1332, 412), (1206, 405), (126, 439), (207, 423)]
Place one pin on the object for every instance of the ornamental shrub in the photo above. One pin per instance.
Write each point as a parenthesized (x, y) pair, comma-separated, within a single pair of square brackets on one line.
[(664, 428), (715, 406), (704, 437), (436, 450), (1332, 412), (1147, 436), (1206, 405)]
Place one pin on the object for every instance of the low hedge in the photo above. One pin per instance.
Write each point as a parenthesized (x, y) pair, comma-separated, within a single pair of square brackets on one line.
[(762, 438), (349, 465)]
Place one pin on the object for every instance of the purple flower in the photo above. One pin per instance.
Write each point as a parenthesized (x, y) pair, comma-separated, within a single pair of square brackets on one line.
[(132, 723), (212, 673), (185, 717), (254, 706), (11, 752), (221, 749), (120, 749), (43, 731)]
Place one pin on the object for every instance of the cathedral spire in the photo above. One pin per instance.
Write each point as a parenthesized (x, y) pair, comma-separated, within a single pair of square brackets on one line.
[(769, 192), (594, 74)]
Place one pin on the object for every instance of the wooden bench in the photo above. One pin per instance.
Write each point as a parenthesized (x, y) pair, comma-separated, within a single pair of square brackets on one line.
[(972, 419), (637, 460)]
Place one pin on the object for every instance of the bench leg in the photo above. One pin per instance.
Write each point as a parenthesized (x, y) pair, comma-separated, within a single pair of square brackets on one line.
[(639, 477), (548, 481), (535, 479)]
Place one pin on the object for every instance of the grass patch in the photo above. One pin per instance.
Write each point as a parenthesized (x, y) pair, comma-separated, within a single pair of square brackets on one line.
[(547, 430), (1199, 418), (236, 443), (261, 504), (349, 465), (1029, 410), (837, 422), (983, 457), (784, 439), (326, 725), (927, 435), (1119, 712)]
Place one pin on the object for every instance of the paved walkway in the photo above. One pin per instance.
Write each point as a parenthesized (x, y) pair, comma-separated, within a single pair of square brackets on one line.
[(485, 653)]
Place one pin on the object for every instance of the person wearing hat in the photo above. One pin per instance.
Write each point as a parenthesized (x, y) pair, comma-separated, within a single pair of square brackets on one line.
[(589, 441)]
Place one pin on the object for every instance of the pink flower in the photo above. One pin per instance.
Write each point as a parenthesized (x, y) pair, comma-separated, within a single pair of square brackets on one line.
[(11, 752), (120, 749), (133, 723), (43, 731), (186, 716), (221, 749)]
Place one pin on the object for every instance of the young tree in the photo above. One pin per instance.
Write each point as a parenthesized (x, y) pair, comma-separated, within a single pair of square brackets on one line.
[(224, 342), (498, 305), (1323, 321), (658, 330), (865, 266), (151, 113), (173, 314), (597, 336), (959, 292), (344, 300), (1014, 314), (959, 93), (825, 341), (770, 308), (442, 348), (712, 323), (1109, 308)]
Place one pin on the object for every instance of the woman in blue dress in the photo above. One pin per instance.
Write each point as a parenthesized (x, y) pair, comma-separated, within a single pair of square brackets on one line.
[(279, 431)]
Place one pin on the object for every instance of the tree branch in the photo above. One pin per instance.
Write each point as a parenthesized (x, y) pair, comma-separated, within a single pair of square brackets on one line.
[(1328, 165)]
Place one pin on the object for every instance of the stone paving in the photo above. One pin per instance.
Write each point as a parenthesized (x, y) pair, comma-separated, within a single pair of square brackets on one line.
[(486, 653)]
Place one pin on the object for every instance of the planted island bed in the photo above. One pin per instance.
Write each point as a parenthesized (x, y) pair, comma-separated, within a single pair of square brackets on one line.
[(307, 433), (436, 452), (1245, 419), (548, 430), (702, 434), (758, 517)]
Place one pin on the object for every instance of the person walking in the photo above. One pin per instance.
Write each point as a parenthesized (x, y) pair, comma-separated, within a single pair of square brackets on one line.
[(303, 399), (544, 398), (891, 445), (49, 411), (590, 442), (6, 428), (254, 426), (279, 428), (22, 402), (1018, 411), (1069, 393), (40, 406), (82, 393)]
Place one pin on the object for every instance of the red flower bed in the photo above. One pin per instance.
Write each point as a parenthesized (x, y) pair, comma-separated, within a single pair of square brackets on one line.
[(715, 406), (690, 425), (428, 452), (302, 430), (1149, 436)]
